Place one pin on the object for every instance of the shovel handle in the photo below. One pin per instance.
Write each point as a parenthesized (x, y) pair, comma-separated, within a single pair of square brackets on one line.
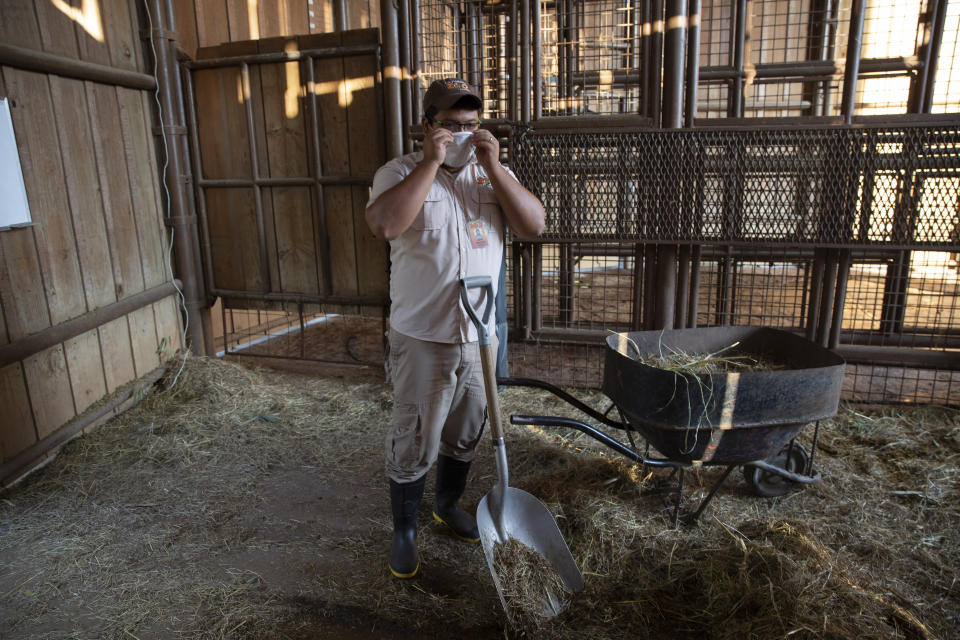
[(487, 355), (477, 282)]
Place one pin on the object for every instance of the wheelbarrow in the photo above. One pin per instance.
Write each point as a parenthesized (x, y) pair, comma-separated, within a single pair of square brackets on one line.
[(747, 418)]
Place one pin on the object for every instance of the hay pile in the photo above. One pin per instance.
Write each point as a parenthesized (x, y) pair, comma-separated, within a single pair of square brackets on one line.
[(532, 591), (246, 503)]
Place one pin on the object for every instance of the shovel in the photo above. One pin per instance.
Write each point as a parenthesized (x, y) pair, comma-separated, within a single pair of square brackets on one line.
[(507, 512)]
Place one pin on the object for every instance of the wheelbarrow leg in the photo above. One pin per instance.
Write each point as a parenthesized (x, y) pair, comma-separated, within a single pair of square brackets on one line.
[(813, 450), (676, 504), (713, 490)]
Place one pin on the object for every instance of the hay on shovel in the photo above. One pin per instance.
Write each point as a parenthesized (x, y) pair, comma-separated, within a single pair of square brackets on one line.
[(532, 591)]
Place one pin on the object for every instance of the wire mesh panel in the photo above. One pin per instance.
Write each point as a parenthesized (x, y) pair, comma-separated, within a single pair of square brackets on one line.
[(601, 56), (763, 287), (842, 187), (588, 60), (467, 40), (760, 206), (787, 54)]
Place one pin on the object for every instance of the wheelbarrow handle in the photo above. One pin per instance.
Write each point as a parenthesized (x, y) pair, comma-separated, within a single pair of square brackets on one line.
[(487, 358)]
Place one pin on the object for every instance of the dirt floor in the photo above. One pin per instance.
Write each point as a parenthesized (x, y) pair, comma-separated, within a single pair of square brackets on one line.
[(251, 503)]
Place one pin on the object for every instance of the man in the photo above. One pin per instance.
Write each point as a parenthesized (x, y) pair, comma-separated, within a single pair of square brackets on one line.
[(444, 211)]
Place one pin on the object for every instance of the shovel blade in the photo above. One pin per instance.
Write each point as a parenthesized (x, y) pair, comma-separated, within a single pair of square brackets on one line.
[(522, 517)]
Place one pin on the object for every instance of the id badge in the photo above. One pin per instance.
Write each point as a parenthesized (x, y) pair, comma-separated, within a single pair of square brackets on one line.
[(478, 234)]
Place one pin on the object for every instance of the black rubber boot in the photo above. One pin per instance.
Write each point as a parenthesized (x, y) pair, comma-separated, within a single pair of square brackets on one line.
[(404, 500), (451, 481)]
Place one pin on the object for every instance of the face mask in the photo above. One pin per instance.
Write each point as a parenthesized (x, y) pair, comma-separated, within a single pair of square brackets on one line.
[(459, 151)]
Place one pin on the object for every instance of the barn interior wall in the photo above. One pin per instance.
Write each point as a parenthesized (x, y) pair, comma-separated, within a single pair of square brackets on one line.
[(93, 185)]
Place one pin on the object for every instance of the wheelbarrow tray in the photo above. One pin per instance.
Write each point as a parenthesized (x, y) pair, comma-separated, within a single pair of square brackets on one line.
[(721, 418)]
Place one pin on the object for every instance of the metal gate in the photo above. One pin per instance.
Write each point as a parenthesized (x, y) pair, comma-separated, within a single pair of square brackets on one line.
[(771, 162), (285, 136)]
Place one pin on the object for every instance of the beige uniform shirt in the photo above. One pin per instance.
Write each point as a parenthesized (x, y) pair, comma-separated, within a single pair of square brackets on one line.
[(457, 234)]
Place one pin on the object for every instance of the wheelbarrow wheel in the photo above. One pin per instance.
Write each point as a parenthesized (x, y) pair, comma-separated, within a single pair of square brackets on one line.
[(770, 485)]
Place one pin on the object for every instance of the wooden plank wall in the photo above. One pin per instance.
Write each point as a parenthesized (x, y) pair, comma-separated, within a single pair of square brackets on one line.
[(208, 23), (301, 234), (92, 181)]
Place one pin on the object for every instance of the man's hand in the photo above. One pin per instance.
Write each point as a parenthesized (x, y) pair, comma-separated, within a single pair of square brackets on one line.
[(435, 143), (488, 149)]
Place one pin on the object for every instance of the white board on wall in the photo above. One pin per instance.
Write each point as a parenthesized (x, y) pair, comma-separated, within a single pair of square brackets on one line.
[(14, 208)]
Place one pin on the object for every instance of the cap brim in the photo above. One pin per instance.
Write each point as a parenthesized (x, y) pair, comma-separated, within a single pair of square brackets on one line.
[(448, 101)]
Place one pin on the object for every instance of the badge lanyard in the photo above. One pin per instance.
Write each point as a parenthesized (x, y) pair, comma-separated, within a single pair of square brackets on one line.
[(476, 229)]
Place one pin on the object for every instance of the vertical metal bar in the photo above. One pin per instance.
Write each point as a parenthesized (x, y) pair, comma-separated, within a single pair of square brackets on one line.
[(725, 271), (525, 61), (921, 90), (255, 171), (636, 48), (303, 329), (667, 285), (226, 331), (817, 42), (649, 286), (693, 305), (415, 44), (852, 69), (172, 117), (481, 53), (573, 58), (500, 70), (403, 44), (561, 18), (519, 287), (826, 297), (199, 192), (843, 278), (675, 41), (816, 282), (461, 60), (894, 294), (675, 44), (513, 105), (537, 111), (683, 287), (316, 135), (831, 47), (735, 95), (656, 58), (566, 283), (639, 271), (693, 62), (470, 40), (340, 15), (646, 45), (537, 281), (390, 61)]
